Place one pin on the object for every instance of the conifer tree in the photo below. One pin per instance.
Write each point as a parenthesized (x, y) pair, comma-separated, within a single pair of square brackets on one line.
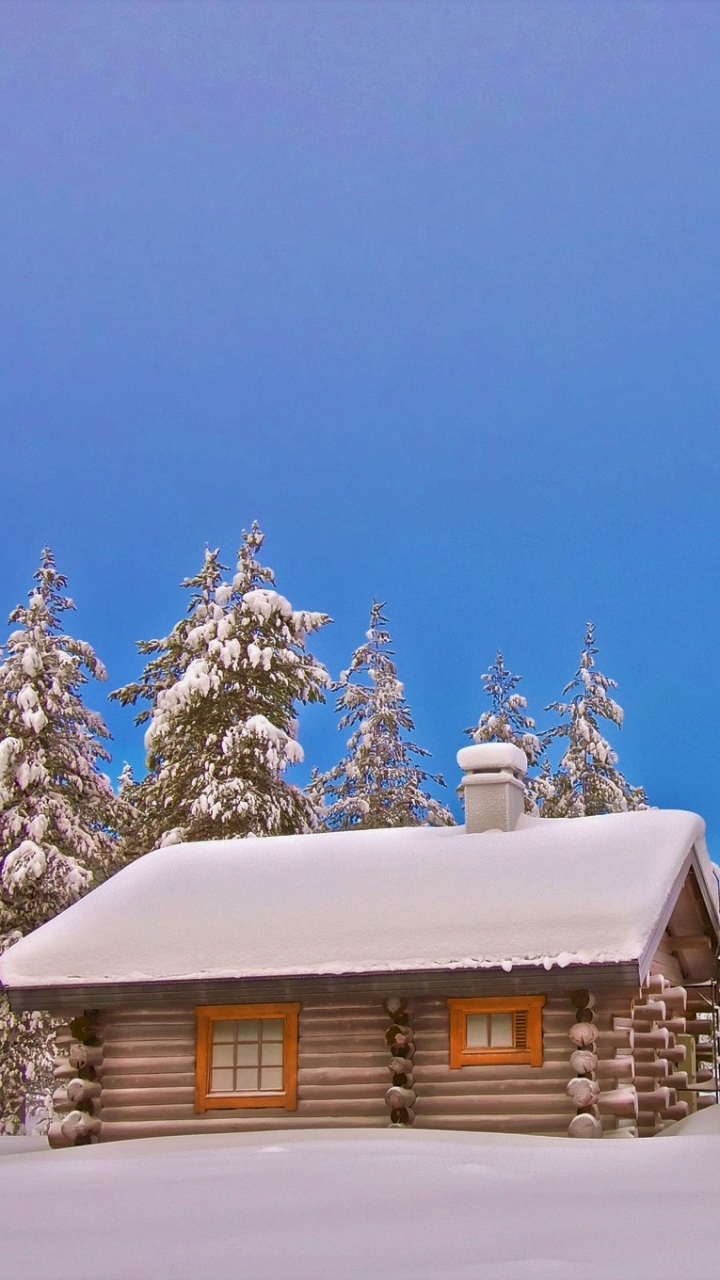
[(378, 783), (587, 780), (58, 815), (507, 720), (223, 689)]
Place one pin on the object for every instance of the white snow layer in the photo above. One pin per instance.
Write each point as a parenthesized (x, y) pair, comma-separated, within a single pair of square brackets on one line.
[(554, 892), (357, 1206)]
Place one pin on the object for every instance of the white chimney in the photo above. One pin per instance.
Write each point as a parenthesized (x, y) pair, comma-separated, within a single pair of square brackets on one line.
[(492, 783)]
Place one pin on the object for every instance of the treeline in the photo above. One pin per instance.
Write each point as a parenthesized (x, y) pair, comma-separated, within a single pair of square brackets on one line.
[(219, 699)]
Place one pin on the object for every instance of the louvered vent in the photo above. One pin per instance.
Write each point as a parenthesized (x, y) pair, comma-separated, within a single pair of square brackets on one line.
[(521, 1029)]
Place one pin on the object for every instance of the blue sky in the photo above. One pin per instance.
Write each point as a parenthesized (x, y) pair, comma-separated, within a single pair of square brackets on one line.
[(430, 290)]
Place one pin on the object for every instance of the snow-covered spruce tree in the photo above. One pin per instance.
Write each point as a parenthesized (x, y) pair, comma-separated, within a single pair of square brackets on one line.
[(223, 689), (587, 780), (58, 815), (377, 784), (507, 721)]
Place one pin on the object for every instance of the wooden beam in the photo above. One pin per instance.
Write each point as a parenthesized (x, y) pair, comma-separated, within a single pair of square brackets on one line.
[(694, 942)]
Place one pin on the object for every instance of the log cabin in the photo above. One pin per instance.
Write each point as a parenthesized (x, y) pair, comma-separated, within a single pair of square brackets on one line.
[(517, 974)]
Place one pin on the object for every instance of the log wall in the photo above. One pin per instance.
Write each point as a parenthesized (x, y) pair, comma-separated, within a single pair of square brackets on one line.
[(148, 1072), (148, 1075)]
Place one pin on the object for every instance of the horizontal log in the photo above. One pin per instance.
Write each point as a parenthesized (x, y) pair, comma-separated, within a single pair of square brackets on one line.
[(456, 1085), (519, 1105), (675, 1054), (689, 942), (620, 1068), (149, 1047), (655, 983), (675, 998), (116, 1066), (552, 1123), (623, 1038), (56, 1138), (619, 1102), (658, 1038), (677, 1080), (116, 1098), (658, 1100), (677, 1025), (652, 1011), (700, 1026), (678, 1111), (150, 1080), (657, 1069), (704, 1101), (239, 1122)]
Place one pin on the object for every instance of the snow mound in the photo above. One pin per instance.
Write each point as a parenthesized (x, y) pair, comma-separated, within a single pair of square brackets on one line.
[(318, 1206), (700, 1124)]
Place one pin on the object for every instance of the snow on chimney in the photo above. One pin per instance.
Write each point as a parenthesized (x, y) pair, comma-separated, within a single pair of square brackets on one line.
[(492, 783)]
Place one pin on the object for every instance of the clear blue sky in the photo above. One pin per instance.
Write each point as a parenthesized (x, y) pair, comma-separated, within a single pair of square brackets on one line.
[(430, 290)]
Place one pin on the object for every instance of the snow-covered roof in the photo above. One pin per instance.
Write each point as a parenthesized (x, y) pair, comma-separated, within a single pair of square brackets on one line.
[(553, 892)]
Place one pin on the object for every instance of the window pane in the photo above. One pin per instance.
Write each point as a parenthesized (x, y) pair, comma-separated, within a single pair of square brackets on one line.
[(248, 1029), (223, 1032), (223, 1055), (272, 1055), (477, 1030), (501, 1033), (271, 1078), (222, 1081), (246, 1079), (273, 1028), (247, 1055)]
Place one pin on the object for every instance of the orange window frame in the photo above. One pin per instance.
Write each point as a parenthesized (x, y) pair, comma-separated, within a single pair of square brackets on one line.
[(206, 1015), (531, 1053)]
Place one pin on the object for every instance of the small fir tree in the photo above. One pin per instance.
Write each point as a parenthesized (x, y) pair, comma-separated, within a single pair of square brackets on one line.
[(507, 721), (587, 780), (378, 783), (58, 816), (223, 690)]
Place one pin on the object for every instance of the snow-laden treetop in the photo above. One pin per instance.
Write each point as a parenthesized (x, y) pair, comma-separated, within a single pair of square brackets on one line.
[(580, 891)]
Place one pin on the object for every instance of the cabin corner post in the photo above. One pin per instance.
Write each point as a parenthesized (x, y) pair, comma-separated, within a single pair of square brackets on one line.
[(401, 1096), (78, 1067), (584, 1089), (662, 1063)]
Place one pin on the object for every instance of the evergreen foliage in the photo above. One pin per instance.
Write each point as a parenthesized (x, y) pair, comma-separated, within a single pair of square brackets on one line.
[(377, 784), (587, 780), (507, 720), (223, 689), (58, 816)]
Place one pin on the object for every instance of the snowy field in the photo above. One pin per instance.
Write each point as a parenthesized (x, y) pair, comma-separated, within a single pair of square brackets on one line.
[(344, 1205)]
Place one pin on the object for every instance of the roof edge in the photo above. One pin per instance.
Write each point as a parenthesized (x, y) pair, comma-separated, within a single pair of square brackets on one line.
[(521, 980)]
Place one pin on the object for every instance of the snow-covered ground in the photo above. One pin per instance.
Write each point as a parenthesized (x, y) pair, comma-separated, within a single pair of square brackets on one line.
[(344, 1205)]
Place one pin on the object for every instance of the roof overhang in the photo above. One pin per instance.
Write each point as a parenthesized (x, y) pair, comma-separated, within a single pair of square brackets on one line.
[(522, 980)]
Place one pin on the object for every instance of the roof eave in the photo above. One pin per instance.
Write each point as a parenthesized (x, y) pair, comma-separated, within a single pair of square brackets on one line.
[(522, 979)]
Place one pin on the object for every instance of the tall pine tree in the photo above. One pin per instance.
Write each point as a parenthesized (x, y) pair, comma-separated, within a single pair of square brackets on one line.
[(58, 815), (378, 783), (507, 720), (587, 780), (223, 690)]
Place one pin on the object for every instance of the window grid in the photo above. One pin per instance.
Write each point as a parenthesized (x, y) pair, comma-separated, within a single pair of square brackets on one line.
[(247, 1056)]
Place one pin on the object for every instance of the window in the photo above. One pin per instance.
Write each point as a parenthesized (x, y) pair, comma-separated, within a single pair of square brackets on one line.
[(246, 1056), (496, 1030)]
